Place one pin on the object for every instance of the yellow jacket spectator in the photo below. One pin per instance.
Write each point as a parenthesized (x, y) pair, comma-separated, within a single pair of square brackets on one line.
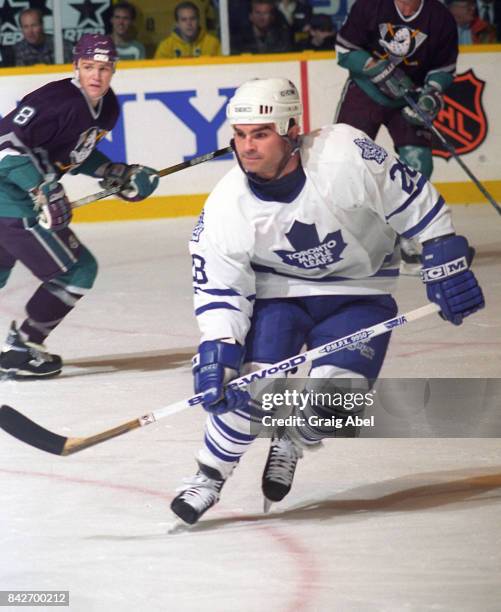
[(188, 39)]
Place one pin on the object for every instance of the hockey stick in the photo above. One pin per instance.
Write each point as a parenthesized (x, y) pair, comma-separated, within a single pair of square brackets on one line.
[(194, 161), (429, 124), (26, 430)]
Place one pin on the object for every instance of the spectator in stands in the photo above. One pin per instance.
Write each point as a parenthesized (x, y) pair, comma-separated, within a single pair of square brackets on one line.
[(266, 31), (122, 19), (297, 14), (322, 34), (37, 47), (490, 11), (471, 29), (189, 38)]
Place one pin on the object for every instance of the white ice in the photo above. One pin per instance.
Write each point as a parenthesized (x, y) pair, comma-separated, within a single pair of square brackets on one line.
[(371, 524)]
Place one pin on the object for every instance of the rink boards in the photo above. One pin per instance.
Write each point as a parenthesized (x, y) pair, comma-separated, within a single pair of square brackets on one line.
[(175, 109)]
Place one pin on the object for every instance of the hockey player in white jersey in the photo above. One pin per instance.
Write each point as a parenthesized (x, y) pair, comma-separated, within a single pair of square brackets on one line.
[(297, 245)]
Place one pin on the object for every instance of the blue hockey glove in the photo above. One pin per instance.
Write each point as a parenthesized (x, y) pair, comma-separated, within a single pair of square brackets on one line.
[(55, 208), (429, 101), (216, 364), (389, 79), (136, 182), (449, 281)]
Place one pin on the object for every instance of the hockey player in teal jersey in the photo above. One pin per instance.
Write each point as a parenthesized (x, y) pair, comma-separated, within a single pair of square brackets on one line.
[(392, 47), (55, 130)]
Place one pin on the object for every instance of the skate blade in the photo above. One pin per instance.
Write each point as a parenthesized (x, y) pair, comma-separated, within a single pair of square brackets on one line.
[(267, 505), (19, 375)]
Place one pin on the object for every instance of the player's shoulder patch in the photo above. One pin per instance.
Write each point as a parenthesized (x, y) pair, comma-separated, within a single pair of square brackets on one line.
[(370, 150), (199, 228)]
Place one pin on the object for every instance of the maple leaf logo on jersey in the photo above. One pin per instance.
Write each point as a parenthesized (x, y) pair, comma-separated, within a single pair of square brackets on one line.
[(199, 228), (310, 252), (370, 150), (462, 120)]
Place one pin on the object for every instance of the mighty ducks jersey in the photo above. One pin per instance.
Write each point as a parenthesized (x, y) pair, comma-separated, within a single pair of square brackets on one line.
[(338, 236), (53, 129), (423, 43)]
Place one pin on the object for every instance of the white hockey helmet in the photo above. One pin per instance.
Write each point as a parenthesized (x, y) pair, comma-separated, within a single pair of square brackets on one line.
[(274, 100)]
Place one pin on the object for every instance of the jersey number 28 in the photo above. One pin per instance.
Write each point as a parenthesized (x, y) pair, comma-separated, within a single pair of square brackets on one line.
[(407, 176)]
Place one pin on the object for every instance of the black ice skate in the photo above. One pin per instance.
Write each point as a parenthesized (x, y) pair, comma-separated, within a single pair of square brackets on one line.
[(279, 470), (197, 494), (22, 360)]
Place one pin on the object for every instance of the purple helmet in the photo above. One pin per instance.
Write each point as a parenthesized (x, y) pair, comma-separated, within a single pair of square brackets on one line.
[(97, 47)]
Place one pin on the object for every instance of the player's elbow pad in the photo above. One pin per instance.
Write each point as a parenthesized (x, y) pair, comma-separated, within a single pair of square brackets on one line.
[(354, 61)]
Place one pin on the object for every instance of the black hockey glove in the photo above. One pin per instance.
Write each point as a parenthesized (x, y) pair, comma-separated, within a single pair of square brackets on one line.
[(136, 182), (429, 101)]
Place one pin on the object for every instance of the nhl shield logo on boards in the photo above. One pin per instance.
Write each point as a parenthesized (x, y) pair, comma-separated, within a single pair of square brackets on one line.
[(462, 121)]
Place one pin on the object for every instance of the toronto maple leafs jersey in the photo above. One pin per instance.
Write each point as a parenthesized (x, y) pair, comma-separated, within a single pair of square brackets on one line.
[(337, 236), (52, 130)]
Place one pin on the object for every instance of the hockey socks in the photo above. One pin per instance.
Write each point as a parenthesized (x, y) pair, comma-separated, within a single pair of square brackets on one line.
[(48, 306), (227, 437)]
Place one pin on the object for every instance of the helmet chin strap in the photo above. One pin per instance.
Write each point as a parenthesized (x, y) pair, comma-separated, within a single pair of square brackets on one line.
[(293, 146)]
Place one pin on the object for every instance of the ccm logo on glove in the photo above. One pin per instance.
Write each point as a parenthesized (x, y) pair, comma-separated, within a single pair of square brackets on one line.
[(448, 269)]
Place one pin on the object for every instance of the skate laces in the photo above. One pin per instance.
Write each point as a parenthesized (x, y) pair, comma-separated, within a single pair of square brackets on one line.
[(199, 491), (15, 342), (284, 455)]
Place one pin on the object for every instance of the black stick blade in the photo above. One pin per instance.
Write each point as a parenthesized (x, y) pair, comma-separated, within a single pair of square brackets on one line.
[(26, 430)]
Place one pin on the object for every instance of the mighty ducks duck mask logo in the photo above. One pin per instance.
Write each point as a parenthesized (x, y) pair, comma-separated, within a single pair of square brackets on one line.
[(86, 144), (400, 41)]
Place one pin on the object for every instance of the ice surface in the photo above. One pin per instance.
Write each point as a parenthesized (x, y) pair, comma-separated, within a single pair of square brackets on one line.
[(395, 524)]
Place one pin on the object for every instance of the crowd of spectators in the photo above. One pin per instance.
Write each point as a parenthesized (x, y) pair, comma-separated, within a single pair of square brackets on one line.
[(256, 26), (278, 26)]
